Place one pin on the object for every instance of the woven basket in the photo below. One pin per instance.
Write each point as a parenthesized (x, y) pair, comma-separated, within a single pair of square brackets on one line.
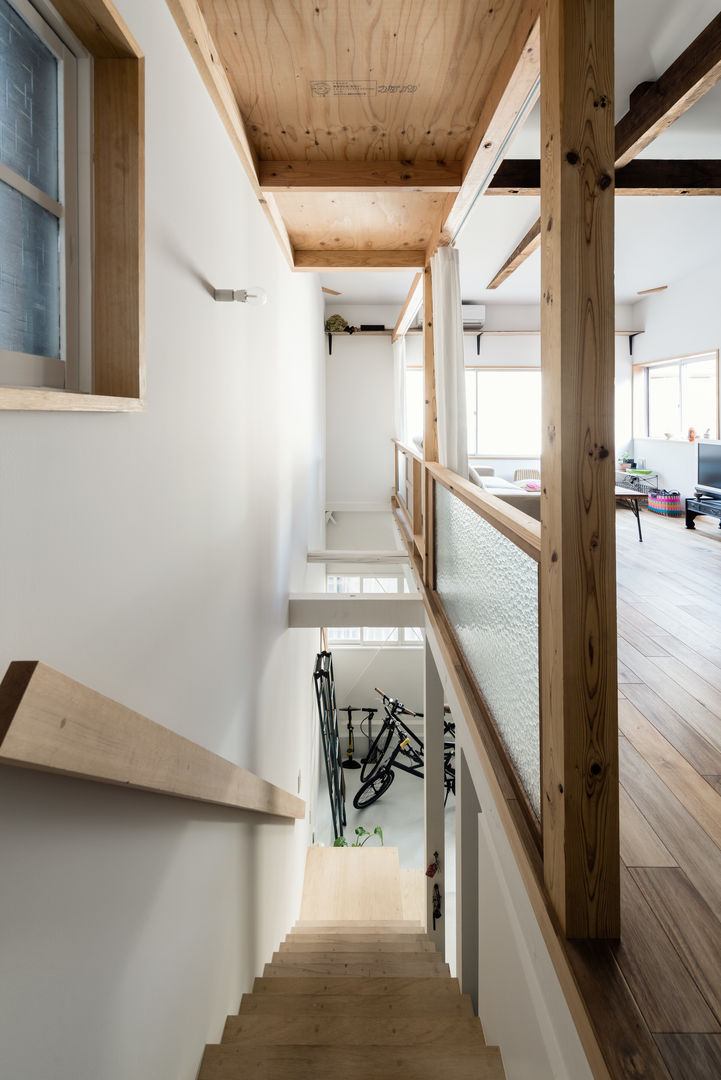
[(664, 502)]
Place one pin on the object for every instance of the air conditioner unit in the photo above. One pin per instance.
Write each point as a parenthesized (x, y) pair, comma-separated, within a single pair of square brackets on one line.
[(474, 316)]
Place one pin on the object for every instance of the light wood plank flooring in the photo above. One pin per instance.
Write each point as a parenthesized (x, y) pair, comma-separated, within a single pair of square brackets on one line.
[(665, 975)]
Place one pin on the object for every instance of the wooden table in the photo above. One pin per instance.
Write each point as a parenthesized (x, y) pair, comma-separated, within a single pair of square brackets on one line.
[(630, 498)]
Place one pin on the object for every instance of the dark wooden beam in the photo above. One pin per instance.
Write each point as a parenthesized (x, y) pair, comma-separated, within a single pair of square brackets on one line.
[(655, 106), (358, 176), (644, 177), (577, 590)]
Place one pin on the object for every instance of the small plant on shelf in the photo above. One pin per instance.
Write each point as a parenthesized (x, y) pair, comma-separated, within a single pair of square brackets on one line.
[(362, 837)]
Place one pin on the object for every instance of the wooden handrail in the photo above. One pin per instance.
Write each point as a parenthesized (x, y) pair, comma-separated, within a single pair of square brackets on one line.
[(518, 527), (52, 723), (408, 450)]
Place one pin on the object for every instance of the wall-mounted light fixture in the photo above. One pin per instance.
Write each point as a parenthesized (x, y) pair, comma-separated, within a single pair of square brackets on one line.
[(254, 295)]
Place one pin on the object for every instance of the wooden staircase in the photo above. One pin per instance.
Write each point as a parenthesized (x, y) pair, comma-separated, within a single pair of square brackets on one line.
[(353, 999)]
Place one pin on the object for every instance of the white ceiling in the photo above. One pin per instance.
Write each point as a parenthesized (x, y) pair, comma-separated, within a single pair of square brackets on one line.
[(658, 240)]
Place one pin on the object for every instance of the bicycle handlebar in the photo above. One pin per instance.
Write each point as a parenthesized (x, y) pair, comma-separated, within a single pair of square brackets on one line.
[(401, 707)]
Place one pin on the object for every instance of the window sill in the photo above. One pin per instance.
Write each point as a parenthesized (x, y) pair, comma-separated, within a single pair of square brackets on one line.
[(23, 399)]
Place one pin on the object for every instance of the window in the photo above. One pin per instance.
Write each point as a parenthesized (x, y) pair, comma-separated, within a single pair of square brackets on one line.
[(71, 208), (671, 396), (504, 412), (384, 582), (44, 132), (414, 402)]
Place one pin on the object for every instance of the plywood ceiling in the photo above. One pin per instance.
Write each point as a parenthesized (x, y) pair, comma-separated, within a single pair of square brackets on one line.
[(385, 220), (356, 80), (353, 83)]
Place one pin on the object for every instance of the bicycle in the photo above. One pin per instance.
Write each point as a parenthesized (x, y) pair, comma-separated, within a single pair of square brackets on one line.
[(395, 740)]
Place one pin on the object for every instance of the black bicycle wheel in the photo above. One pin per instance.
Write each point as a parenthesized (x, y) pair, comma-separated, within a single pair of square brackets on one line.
[(376, 753), (369, 792)]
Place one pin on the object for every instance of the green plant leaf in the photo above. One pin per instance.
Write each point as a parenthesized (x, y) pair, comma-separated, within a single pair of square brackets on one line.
[(379, 833), (340, 841)]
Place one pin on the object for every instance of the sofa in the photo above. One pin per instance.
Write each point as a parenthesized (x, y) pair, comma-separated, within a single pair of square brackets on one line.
[(514, 494)]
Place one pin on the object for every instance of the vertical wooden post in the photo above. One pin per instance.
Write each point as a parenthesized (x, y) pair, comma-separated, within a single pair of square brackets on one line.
[(430, 428), (434, 793), (578, 572), (417, 467)]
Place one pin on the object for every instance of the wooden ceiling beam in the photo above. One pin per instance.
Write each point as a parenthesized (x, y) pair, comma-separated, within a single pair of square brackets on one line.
[(353, 259), (358, 176), (530, 242), (655, 106), (512, 92), (410, 308), (646, 176), (204, 52)]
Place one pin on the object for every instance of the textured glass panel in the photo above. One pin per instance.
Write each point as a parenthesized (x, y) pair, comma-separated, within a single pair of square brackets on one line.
[(29, 312), (489, 589), (28, 103)]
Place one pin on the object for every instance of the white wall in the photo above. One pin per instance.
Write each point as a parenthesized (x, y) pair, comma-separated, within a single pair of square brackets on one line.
[(150, 556), (397, 671), (363, 531), (359, 422)]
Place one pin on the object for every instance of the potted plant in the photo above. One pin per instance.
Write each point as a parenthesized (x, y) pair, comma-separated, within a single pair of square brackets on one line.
[(626, 461), (362, 837)]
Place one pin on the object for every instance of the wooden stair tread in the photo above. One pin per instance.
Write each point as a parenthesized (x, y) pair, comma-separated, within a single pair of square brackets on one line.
[(357, 935), (349, 928), (350, 956), (394, 924), (359, 969), (295, 1062), (400, 987), (360, 1006), (337, 1030), (360, 947)]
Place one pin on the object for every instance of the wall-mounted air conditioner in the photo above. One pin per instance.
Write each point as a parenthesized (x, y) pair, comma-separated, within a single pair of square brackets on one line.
[(474, 316)]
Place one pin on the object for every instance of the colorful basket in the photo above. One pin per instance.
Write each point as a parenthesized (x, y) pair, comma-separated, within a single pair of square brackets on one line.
[(665, 502)]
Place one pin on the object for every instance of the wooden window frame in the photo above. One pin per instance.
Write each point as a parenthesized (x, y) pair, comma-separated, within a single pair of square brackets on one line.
[(118, 286), (639, 395)]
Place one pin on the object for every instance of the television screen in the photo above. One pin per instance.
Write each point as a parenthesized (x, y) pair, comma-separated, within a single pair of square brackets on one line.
[(709, 465)]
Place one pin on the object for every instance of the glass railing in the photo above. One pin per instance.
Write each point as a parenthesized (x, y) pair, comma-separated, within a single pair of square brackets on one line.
[(488, 586)]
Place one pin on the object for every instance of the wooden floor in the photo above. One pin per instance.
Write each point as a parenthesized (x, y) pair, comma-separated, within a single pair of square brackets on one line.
[(662, 983)]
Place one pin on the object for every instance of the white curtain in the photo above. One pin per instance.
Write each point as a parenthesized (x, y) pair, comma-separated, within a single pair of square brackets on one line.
[(399, 389), (449, 363)]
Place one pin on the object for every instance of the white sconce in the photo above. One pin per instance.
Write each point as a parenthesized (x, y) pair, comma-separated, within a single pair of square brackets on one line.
[(254, 295)]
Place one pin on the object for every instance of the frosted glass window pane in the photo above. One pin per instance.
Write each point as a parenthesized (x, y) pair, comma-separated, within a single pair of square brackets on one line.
[(343, 583), (380, 585), (699, 395), (414, 403), (489, 589), (508, 407), (471, 426), (380, 633), (29, 276), (343, 633), (664, 400), (28, 103)]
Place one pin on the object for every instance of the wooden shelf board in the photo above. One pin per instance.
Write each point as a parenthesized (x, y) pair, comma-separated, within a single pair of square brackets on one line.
[(51, 723)]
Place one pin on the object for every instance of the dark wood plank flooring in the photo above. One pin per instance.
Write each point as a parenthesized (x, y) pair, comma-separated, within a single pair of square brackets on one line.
[(668, 962)]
